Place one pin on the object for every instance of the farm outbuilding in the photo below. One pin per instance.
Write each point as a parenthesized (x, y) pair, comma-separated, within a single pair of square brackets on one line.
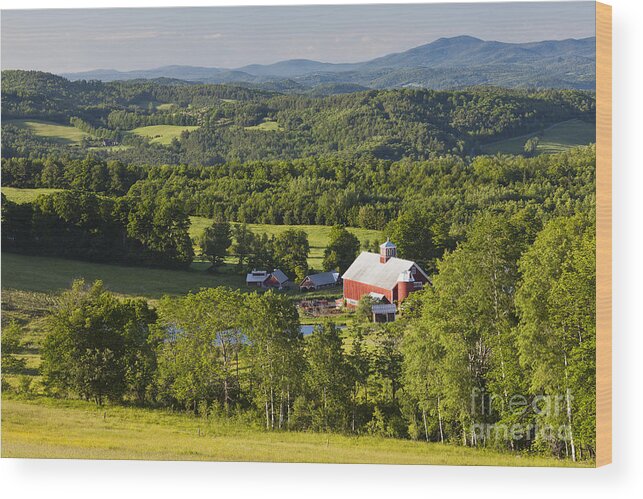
[(383, 312), (314, 282), (264, 279)]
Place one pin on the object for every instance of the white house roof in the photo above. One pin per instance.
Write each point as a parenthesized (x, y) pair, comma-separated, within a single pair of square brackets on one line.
[(323, 278), (257, 276), (280, 276), (376, 296), (367, 269)]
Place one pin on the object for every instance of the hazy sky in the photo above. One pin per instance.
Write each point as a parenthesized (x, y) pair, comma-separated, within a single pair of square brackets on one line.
[(77, 40)]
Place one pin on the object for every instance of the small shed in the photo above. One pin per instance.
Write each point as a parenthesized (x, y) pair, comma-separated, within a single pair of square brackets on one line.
[(314, 282), (383, 312), (277, 279)]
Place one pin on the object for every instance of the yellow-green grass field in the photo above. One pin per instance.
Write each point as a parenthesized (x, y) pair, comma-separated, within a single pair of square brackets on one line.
[(64, 134), (318, 235), (557, 138), (47, 428), (266, 126), (162, 134), (165, 106), (25, 195)]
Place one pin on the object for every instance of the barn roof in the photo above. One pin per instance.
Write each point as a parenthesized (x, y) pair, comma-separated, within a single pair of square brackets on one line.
[(280, 276), (323, 278), (367, 269)]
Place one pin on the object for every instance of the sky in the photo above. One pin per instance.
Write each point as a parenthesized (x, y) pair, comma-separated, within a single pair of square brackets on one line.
[(69, 40)]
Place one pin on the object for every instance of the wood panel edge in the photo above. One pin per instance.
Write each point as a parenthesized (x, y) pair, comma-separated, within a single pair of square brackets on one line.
[(603, 234)]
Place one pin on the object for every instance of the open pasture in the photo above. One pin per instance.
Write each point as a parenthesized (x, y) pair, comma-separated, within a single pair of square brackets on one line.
[(266, 126), (63, 134), (318, 235), (162, 134), (557, 138), (45, 274), (25, 195)]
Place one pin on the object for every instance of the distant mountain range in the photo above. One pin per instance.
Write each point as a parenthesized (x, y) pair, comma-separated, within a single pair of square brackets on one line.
[(445, 63)]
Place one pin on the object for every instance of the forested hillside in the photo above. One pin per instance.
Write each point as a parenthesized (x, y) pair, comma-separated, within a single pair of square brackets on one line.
[(238, 124)]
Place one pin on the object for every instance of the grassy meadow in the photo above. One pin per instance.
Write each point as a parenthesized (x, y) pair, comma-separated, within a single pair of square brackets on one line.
[(557, 138), (318, 235), (48, 428), (25, 195), (45, 274), (162, 134), (266, 126), (63, 134)]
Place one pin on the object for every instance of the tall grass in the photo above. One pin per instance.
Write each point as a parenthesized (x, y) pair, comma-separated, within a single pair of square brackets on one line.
[(47, 428)]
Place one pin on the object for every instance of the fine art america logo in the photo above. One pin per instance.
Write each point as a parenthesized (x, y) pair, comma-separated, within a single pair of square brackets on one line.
[(542, 417)]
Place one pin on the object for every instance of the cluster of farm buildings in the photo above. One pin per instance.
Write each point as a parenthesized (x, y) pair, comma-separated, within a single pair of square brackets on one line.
[(387, 279)]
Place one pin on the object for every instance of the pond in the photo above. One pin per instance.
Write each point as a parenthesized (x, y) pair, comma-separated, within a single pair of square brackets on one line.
[(307, 329)]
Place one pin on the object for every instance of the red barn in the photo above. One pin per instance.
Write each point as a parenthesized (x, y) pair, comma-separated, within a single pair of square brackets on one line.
[(385, 276)]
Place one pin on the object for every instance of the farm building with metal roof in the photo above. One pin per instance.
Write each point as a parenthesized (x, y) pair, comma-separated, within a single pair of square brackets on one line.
[(382, 275)]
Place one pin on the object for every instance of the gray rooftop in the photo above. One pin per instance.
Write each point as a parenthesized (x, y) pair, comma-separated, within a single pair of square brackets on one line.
[(367, 269), (280, 276), (257, 276), (384, 308), (324, 278)]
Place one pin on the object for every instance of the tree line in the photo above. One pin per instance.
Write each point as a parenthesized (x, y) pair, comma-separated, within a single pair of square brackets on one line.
[(332, 190), (86, 226)]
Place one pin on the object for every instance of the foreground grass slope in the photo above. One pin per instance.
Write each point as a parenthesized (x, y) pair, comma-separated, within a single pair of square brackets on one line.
[(46, 428)]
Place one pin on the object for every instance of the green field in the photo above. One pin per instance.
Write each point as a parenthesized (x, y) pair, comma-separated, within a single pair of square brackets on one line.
[(162, 134), (47, 428), (44, 274), (63, 134), (318, 235), (266, 126), (25, 195), (557, 138), (165, 106)]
